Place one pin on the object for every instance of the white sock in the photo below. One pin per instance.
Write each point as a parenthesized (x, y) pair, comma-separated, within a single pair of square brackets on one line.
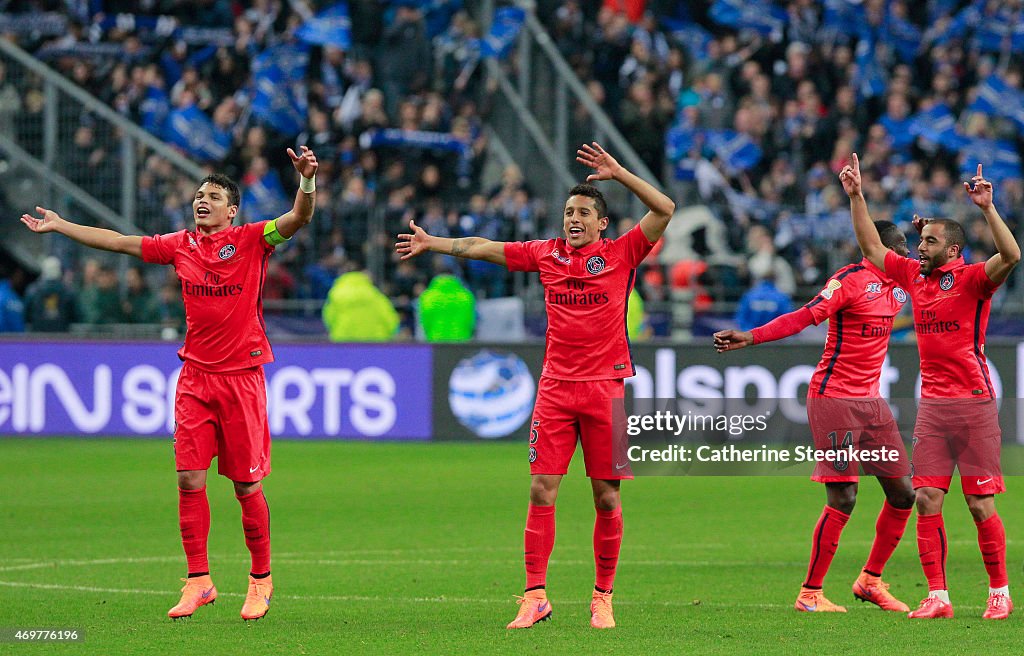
[(940, 594), (1005, 590)]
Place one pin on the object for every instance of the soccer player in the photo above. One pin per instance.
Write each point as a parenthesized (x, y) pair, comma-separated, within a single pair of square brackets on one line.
[(844, 409), (586, 282), (220, 405), (957, 423)]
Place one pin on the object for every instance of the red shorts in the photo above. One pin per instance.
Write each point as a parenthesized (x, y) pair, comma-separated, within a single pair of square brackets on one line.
[(864, 425), (960, 433), (567, 411), (222, 415)]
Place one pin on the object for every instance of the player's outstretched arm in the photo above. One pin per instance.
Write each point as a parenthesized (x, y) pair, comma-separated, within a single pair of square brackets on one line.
[(472, 248), (778, 328), (305, 198), (101, 238), (999, 266), (863, 227), (606, 167)]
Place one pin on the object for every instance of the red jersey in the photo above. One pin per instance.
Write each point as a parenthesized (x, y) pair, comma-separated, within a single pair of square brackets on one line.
[(951, 308), (222, 284), (585, 295), (860, 302)]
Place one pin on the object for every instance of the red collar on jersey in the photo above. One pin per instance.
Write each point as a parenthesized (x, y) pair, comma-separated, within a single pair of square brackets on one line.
[(952, 264)]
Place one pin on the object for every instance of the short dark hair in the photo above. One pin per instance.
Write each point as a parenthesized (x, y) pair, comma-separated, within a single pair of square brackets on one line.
[(889, 232), (590, 191), (225, 183), (953, 232)]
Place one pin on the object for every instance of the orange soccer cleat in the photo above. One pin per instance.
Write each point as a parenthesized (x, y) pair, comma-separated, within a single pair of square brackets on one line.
[(999, 607), (257, 600), (198, 591), (533, 607), (873, 589), (601, 611), (814, 601), (932, 608)]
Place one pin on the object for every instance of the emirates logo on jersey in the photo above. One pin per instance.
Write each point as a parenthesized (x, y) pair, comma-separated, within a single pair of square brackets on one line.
[(595, 265), (946, 282), (226, 252)]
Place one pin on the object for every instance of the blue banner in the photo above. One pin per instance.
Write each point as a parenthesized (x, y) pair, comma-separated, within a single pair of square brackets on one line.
[(321, 392), (331, 27), (192, 130), (508, 21)]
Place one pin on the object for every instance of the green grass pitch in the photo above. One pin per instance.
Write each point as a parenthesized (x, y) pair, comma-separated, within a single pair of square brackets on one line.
[(413, 548)]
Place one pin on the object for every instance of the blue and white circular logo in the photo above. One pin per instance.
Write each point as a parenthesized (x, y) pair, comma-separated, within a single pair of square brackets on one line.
[(491, 393), (595, 265), (226, 252), (533, 454), (899, 294), (946, 282)]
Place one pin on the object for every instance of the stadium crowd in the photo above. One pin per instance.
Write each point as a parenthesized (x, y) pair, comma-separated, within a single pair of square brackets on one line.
[(750, 108)]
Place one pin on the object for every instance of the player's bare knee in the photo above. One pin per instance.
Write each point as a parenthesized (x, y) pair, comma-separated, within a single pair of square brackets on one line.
[(543, 491), (842, 496), (245, 488), (899, 493), (981, 506), (606, 495), (929, 500), (191, 479)]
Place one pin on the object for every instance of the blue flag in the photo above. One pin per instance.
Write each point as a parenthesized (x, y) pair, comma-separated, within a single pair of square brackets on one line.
[(508, 21), (758, 15), (191, 129), (870, 81), (264, 198), (997, 98), (937, 125), (331, 27), (735, 149), (279, 96), (153, 110), (694, 37), (998, 156)]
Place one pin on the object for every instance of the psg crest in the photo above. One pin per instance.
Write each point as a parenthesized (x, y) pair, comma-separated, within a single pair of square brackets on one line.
[(899, 294), (946, 282), (595, 265), (226, 252)]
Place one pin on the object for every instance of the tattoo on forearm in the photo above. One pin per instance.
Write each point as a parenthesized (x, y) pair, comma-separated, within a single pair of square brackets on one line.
[(460, 246)]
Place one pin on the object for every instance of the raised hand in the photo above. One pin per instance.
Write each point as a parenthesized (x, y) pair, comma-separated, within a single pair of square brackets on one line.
[(850, 176), (981, 191), (305, 163), (593, 155), (48, 223), (919, 223), (414, 244), (731, 340)]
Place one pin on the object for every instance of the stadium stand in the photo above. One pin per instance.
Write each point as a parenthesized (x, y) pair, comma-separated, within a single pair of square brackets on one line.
[(747, 109)]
